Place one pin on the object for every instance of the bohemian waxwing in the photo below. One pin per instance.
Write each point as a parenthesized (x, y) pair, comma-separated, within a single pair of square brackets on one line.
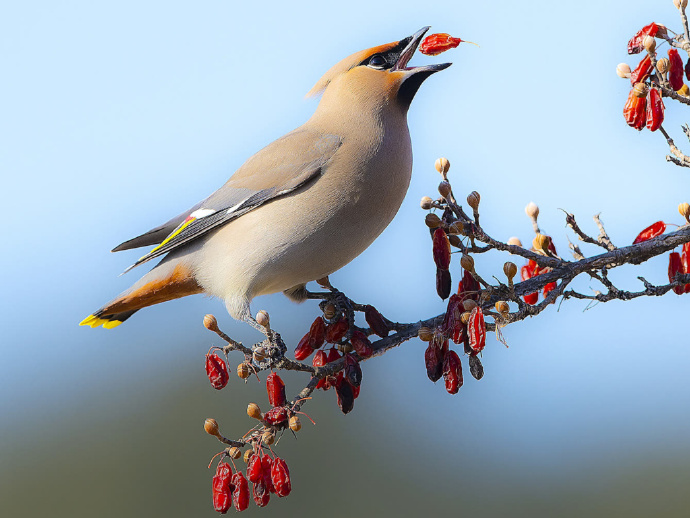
[(302, 207)]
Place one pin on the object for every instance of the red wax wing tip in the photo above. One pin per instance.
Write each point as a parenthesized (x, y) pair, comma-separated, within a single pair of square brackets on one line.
[(434, 44)]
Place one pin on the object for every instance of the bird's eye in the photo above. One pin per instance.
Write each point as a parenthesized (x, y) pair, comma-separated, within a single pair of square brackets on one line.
[(377, 61)]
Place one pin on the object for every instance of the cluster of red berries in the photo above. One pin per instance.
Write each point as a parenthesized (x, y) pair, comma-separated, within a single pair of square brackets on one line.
[(267, 475), (463, 324)]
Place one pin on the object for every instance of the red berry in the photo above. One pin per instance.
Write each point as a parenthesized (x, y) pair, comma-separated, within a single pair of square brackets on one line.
[(353, 372), (675, 266), (443, 283), (433, 358), (317, 333), (452, 371), (241, 493), (266, 465), (222, 488), (361, 343), (254, 471), (477, 329), (276, 415), (346, 397), (376, 321), (303, 349), (276, 390), (280, 475), (217, 371), (441, 249), (261, 494), (336, 331)]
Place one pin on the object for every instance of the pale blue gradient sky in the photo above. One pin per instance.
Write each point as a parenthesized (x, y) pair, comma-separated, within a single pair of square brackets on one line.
[(115, 117)]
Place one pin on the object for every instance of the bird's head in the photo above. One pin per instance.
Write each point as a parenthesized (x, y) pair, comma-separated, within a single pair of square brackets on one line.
[(379, 74)]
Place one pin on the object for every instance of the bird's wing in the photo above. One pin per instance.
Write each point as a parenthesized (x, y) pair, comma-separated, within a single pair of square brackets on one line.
[(278, 169)]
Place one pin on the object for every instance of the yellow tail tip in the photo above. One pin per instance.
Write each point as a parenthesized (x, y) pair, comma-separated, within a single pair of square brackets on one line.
[(94, 321)]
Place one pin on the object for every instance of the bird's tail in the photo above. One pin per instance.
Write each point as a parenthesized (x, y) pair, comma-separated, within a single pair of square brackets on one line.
[(165, 282)]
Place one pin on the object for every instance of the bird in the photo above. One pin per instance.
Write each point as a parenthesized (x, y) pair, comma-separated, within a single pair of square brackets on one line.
[(299, 209)]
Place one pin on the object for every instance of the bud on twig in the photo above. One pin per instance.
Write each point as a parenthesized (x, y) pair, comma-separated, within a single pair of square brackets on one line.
[(442, 165), (234, 452), (510, 269), (663, 65), (432, 221), (444, 188), (623, 70), (467, 263), (532, 211), (268, 437), (426, 203), (514, 241), (295, 424), (254, 411), (502, 307), (211, 427), (248, 454), (425, 334), (649, 43), (684, 209), (259, 354), (243, 371), (680, 4), (541, 243), (262, 319), (211, 323), (641, 90), (473, 199)]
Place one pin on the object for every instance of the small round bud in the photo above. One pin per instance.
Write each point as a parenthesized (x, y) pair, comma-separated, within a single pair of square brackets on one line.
[(248, 454), (211, 427), (623, 70), (684, 209), (541, 242), (502, 307), (469, 304), (295, 424), (243, 371), (473, 199), (329, 310), (510, 269), (425, 334), (680, 4), (262, 318), (641, 90), (432, 221), (455, 241), (514, 241), (426, 203), (663, 65), (254, 411), (442, 165), (234, 452), (268, 437), (532, 210), (467, 263), (210, 323), (345, 348), (465, 317), (684, 91), (259, 354), (649, 43), (444, 189)]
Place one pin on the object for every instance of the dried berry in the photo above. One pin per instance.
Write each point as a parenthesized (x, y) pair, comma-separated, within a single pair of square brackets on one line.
[(266, 466), (434, 44), (655, 110), (304, 348), (276, 415), (476, 368), (261, 494), (317, 333), (336, 331), (653, 230), (353, 372), (433, 359), (280, 475), (276, 390), (452, 372), (240, 495), (675, 69), (675, 267), (476, 329), (217, 371), (441, 249), (361, 344), (254, 470), (685, 260), (222, 488), (346, 398), (443, 283), (376, 321)]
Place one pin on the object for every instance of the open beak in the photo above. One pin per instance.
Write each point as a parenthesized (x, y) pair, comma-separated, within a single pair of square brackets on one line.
[(411, 43)]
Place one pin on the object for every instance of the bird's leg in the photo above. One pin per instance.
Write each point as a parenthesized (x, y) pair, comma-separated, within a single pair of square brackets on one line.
[(336, 297)]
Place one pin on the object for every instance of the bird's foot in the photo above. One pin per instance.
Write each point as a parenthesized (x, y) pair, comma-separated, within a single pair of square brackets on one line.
[(267, 352)]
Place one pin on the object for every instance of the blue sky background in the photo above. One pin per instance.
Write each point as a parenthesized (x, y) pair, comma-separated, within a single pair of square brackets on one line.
[(116, 116)]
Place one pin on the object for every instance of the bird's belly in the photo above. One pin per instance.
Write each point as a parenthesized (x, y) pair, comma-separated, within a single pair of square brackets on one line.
[(306, 235)]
